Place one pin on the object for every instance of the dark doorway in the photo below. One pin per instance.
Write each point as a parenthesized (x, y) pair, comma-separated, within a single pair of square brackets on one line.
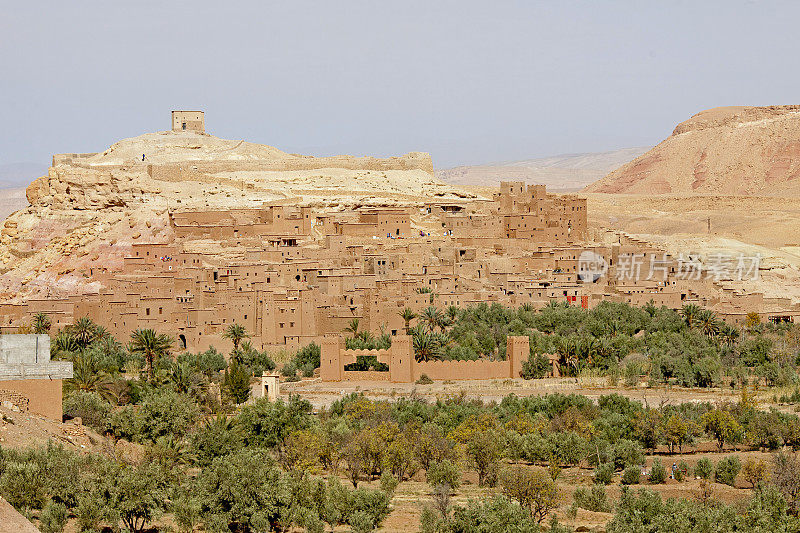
[(182, 339)]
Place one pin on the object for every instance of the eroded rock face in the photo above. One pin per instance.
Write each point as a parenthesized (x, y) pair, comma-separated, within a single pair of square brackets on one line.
[(67, 187), (89, 209), (726, 150)]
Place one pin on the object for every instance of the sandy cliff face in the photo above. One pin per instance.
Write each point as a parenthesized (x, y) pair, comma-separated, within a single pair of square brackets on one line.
[(726, 150), (90, 208)]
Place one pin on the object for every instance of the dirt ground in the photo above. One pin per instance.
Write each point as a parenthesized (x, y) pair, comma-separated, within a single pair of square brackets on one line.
[(24, 430), (321, 393)]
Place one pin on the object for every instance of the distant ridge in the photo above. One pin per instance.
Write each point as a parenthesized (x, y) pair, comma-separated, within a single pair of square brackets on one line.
[(559, 172), (752, 151)]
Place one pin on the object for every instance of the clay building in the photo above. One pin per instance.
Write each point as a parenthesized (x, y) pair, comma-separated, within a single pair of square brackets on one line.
[(291, 275), (188, 121)]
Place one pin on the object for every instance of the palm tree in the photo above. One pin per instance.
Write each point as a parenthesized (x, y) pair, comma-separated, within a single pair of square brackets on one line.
[(567, 349), (527, 307), (86, 376), (236, 333), (729, 334), (707, 322), (150, 345), (452, 313), (64, 343), (689, 313), (426, 347), (41, 323), (84, 331), (352, 327), (432, 317), (408, 315)]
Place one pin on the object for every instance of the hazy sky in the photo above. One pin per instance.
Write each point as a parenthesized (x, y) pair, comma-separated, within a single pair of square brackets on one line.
[(468, 81)]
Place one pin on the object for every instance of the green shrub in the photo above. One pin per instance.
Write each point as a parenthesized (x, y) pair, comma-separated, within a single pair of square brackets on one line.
[(537, 366), (604, 473), (569, 447), (444, 473), (53, 518), (388, 482), (727, 470), (594, 499), (361, 522), (21, 485), (373, 503), (496, 514), (625, 453), (682, 471), (236, 382), (630, 476), (89, 406), (704, 468), (424, 380), (89, 513), (658, 474), (163, 412), (266, 424), (289, 370)]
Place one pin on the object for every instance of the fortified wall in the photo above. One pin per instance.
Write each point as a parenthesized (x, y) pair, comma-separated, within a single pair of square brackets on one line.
[(404, 368)]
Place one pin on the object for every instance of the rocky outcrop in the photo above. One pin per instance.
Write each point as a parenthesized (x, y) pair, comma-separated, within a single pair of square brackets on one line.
[(726, 150), (89, 209)]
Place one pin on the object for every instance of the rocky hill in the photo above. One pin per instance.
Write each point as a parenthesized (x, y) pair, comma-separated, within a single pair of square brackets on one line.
[(726, 150), (560, 172), (89, 209)]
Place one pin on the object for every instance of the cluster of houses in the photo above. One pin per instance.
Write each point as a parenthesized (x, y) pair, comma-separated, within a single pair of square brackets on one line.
[(291, 275)]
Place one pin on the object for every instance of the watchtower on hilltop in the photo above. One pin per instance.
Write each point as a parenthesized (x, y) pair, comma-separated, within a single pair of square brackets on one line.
[(188, 120)]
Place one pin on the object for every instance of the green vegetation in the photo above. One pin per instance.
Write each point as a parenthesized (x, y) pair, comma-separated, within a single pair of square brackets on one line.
[(215, 460)]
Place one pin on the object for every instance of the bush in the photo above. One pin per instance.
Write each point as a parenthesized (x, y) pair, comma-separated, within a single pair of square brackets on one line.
[(625, 453), (682, 471), (388, 483), (604, 473), (21, 485), (498, 514), (373, 502), (236, 382), (424, 380), (163, 412), (53, 518), (266, 424), (535, 367), (658, 474), (704, 468), (89, 407), (210, 362), (444, 473), (727, 470), (630, 476), (532, 488), (594, 499), (754, 471), (361, 522)]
